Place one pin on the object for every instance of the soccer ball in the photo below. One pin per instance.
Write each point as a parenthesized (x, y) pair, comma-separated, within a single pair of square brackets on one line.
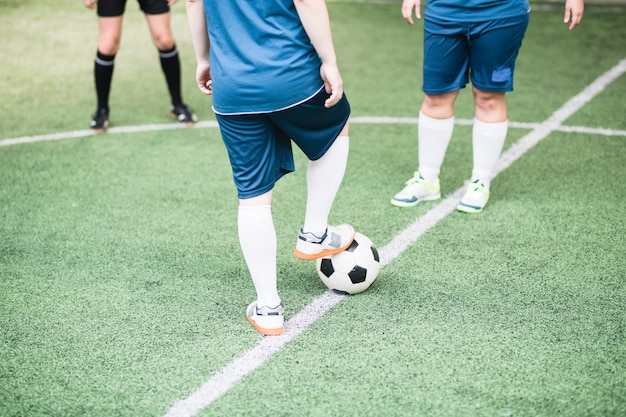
[(353, 270)]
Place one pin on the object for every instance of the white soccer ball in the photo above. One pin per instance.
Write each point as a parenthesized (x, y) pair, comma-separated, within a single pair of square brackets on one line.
[(353, 270)]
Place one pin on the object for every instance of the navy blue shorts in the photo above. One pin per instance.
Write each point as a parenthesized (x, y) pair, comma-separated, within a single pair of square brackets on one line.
[(113, 8), (484, 52), (259, 145)]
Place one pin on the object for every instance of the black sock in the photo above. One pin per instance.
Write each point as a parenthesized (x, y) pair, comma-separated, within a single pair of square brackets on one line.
[(103, 73), (170, 64)]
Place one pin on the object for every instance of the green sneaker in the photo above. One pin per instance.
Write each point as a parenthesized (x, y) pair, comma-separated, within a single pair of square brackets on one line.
[(475, 198), (417, 189)]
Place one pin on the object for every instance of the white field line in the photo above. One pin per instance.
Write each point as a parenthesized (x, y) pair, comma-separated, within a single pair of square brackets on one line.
[(353, 120), (468, 122), (113, 130), (223, 380)]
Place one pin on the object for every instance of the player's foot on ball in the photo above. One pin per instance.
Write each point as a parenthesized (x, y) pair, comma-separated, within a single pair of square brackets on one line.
[(334, 240), (269, 321), (182, 113), (100, 121), (417, 189), (475, 198)]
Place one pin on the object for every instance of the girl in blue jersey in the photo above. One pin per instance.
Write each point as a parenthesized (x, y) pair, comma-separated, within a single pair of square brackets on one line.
[(272, 71), (467, 40)]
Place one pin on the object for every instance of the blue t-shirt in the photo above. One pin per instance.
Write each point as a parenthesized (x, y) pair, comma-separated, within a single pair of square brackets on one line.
[(475, 10), (261, 58)]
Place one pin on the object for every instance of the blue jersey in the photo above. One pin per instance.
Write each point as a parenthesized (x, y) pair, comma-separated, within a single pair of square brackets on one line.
[(475, 10), (261, 58)]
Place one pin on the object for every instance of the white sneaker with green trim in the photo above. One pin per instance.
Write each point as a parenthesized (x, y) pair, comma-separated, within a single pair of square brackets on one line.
[(475, 198), (417, 189)]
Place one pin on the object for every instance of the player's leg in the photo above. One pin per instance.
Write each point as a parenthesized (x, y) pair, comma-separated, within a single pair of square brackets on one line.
[(259, 156), (493, 54), (257, 239), (109, 37), (445, 73), (323, 135), (488, 133), (324, 176), (158, 17), (434, 131)]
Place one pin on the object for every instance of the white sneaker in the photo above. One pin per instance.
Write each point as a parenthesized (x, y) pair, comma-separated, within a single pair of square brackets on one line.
[(475, 198), (417, 189), (334, 240), (268, 321)]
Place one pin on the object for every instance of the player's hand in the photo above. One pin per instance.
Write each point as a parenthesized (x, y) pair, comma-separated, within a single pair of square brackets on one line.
[(203, 77), (407, 10), (170, 3), (573, 12), (333, 84), (90, 3)]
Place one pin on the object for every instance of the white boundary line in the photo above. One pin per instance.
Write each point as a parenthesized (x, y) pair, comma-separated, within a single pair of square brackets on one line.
[(223, 380), (353, 120), (113, 130)]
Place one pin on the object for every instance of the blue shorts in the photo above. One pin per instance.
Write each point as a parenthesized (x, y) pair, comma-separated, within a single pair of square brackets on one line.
[(259, 145), (113, 8), (484, 52)]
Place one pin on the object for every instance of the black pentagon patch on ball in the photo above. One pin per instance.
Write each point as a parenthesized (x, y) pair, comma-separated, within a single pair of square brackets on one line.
[(375, 253), (352, 246), (327, 267), (358, 274)]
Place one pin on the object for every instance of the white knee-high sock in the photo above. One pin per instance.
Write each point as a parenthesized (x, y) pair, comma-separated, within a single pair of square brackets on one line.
[(323, 178), (488, 141), (433, 137), (257, 239)]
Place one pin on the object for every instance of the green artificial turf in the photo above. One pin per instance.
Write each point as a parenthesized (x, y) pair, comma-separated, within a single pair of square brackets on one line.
[(123, 288)]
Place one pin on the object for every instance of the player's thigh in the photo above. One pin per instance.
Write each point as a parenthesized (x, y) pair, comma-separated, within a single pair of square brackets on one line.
[(161, 31), (157, 14), (312, 126), (494, 51), (110, 14), (109, 34), (446, 57), (260, 153)]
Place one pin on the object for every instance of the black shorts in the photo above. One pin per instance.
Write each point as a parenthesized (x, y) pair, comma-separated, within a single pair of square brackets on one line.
[(112, 8)]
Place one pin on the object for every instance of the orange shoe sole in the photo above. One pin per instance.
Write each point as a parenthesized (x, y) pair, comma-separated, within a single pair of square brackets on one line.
[(322, 254)]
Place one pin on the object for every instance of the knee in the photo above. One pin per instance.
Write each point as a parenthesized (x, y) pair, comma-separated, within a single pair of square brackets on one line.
[(439, 106), (163, 41), (486, 101), (109, 45)]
